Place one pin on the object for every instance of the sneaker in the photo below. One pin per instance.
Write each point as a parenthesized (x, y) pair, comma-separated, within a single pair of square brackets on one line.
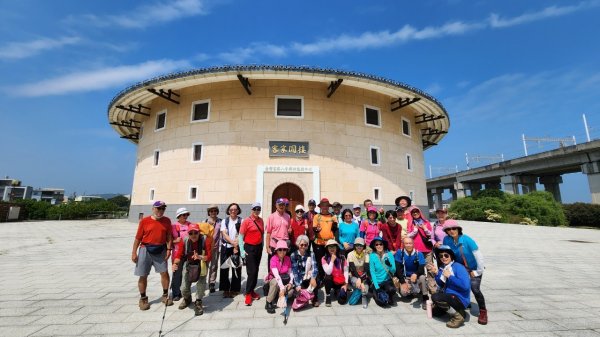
[(254, 295), (167, 300), (327, 300), (184, 304), (198, 310), (248, 300), (211, 288), (144, 305)]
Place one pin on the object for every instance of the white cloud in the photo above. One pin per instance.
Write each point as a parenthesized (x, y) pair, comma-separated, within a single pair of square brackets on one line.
[(99, 78), (146, 15), (241, 55), (495, 21), (20, 50)]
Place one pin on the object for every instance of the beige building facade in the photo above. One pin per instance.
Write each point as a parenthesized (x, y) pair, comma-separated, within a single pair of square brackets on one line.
[(245, 134)]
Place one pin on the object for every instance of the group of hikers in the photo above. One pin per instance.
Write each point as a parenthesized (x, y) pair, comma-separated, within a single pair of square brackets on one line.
[(354, 254)]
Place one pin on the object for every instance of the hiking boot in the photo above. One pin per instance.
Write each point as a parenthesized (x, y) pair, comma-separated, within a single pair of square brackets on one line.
[(315, 301), (327, 300), (211, 288), (198, 310), (270, 308), (144, 305), (167, 300), (254, 295), (184, 304), (248, 300), (233, 294), (483, 319), (457, 319)]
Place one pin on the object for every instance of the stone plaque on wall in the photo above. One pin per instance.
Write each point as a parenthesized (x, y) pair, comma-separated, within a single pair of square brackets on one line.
[(288, 149)]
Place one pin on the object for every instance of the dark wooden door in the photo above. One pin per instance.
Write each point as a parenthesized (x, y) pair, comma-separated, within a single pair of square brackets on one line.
[(290, 191)]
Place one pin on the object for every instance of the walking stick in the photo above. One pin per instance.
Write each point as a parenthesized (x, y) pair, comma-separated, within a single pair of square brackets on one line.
[(286, 311), (163, 318)]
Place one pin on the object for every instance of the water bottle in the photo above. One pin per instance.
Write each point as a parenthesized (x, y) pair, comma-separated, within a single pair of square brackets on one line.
[(429, 304)]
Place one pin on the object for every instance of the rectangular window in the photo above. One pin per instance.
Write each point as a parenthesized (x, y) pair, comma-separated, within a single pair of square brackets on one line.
[(375, 160), (405, 127), (161, 120), (193, 193), (289, 106), (151, 194), (156, 157), (201, 111), (196, 152), (376, 194), (408, 162), (372, 116)]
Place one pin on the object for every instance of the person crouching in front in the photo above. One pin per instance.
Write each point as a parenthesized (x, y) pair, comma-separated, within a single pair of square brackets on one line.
[(192, 256)]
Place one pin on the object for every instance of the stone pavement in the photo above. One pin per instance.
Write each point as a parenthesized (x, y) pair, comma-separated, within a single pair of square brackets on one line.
[(75, 278)]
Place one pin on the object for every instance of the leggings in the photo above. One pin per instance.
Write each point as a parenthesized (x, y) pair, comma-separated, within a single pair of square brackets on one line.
[(475, 288)]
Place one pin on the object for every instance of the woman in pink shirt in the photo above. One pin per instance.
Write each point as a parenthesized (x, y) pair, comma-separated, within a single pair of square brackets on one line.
[(280, 275), (420, 230), (370, 228), (180, 232)]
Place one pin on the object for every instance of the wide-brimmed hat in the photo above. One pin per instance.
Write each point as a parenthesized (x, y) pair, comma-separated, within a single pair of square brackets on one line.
[(445, 249), (331, 242), (378, 238), (181, 211), (281, 244), (359, 241), (159, 203), (408, 200), (324, 203), (451, 223), (213, 206), (337, 204)]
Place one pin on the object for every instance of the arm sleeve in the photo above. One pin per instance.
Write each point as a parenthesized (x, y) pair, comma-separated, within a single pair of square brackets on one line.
[(373, 276), (352, 269), (277, 277), (480, 263), (327, 267), (241, 244), (346, 270)]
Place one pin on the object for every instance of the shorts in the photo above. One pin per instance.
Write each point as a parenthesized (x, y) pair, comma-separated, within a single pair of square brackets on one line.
[(147, 260)]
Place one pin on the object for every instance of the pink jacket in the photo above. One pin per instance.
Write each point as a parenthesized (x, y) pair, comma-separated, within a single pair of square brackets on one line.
[(421, 234)]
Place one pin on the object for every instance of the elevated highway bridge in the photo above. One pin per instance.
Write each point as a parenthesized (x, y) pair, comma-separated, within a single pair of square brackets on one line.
[(520, 175)]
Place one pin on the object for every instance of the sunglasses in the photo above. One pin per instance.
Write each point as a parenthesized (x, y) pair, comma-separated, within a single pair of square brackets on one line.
[(303, 245), (256, 209), (444, 255), (359, 246), (378, 244), (452, 229), (299, 211), (186, 214), (193, 233), (212, 211), (332, 246), (161, 208), (282, 250)]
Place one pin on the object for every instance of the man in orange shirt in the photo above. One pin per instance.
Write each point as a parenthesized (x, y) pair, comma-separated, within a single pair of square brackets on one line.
[(154, 241), (324, 226)]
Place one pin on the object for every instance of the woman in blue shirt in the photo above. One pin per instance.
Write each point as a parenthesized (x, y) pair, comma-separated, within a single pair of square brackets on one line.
[(454, 286), (382, 267), (467, 252), (348, 232)]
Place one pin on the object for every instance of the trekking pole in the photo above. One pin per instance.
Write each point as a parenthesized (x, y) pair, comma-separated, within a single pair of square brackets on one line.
[(286, 312), (164, 314)]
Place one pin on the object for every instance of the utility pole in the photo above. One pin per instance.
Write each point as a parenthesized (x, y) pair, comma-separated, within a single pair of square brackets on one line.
[(587, 130)]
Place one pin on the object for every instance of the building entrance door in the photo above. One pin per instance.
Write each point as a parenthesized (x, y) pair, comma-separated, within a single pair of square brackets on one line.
[(290, 191)]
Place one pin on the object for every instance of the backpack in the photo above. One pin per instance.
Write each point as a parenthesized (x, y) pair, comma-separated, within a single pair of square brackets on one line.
[(195, 270), (302, 299)]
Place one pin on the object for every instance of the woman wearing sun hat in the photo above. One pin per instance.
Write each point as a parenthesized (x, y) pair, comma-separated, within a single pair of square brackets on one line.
[(324, 226), (280, 275), (179, 232), (455, 289), (382, 268), (404, 204), (370, 227), (467, 253), (358, 265), (335, 267)]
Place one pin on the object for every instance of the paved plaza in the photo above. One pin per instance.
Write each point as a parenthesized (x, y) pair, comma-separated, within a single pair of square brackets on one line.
[(66, 278)]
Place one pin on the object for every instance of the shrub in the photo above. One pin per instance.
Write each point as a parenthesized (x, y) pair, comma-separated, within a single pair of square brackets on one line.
[(582, 214), (537, 206)]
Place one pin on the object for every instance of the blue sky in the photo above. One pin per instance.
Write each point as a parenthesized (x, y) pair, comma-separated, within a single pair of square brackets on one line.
[(501, 69)]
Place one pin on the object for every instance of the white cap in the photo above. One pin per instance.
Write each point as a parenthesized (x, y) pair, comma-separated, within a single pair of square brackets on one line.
[(299, 207), (181, 211), (356, 206), (256, 204)]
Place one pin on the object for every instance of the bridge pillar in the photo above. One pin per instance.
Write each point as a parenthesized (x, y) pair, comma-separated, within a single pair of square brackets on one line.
[(473, 187), (528, 183), (511, 184), (438, 201), (551, 184), (458, 191), (593, 173), (430, 198)]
